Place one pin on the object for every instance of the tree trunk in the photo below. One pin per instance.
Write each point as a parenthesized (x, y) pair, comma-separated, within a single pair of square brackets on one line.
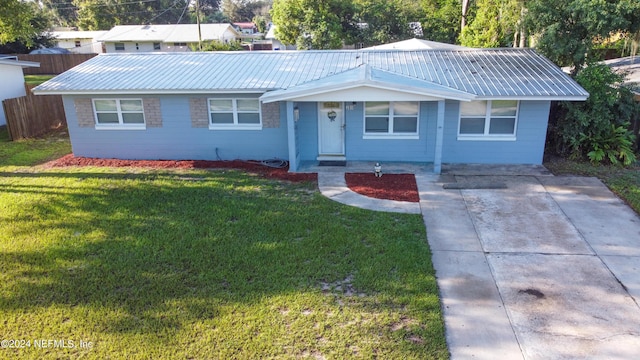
[(465, 9)]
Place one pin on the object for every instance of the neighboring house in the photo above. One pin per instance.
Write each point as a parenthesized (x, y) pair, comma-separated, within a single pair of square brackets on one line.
[(275, 43), (432, 106), (164, 38), (416, 44), (630, 67), (248, 32), (12, 79), (81, 42)]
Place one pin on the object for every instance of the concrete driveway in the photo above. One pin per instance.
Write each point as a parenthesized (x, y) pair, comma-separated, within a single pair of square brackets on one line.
[(534, 267)]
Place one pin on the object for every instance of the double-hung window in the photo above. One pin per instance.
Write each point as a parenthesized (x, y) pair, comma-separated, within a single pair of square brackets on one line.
[(488, 120), (119, 46), (397, 120), (236, 114), (119, 114)]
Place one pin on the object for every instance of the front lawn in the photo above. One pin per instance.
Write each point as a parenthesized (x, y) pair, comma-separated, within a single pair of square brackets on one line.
[(37, 79), (625, 182), (29, 152), (207, 264)]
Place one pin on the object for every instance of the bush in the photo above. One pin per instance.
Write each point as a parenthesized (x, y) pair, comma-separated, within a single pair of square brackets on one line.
[(598, 129)]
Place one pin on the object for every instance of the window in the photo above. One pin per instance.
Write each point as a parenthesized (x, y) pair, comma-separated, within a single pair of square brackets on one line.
[(119, 114), (240, 114), (180, 44), (119, 46), (77, 43), (488, 120), (156, 46), (391, 119)]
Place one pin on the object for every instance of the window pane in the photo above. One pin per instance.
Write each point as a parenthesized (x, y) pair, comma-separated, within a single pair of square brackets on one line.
[(377, 108), (405, 125), (105, 105), (405, 108), (248, 118), (248, 105), (472, 126), (131, 105), (107, 118), (502, 126), (221, 105), (221, 118), (473, 108), (376, 125), (504, 107), (132, 118)]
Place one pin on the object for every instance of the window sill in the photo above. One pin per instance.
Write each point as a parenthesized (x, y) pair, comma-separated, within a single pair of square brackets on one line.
[(121, 127), (486, 138), (390, 137), (235, 127)]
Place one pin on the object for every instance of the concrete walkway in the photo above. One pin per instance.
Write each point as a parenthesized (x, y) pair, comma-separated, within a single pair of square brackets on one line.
[(540, 267)]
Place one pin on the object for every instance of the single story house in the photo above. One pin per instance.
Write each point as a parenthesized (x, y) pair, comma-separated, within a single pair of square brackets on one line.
[(165, 38), (79, 42), (12, 80), (431, 106)]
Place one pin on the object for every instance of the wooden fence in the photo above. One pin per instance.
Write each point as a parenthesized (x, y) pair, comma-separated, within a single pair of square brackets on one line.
[(53, 64), (30, 116)]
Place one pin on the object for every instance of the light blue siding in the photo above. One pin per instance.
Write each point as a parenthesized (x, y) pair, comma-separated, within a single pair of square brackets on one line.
[(527, 149), (307, 130), (176, 139)]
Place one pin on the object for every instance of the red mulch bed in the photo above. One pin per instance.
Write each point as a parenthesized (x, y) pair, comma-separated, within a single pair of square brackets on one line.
[(251, 167), (401, 187)]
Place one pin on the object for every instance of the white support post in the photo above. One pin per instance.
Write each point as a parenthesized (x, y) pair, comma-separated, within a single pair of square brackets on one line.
[(291, 138), (437, 161)]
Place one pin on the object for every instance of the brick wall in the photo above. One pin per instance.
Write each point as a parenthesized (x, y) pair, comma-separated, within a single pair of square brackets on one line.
[(199, 112), (271, 115), (152, 114), (84, 112)]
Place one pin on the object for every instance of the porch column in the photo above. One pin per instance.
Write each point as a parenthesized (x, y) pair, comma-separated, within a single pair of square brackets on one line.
[(291, 138), (437, 161)]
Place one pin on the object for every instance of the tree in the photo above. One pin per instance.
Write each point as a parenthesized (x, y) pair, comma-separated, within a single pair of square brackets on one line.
[(381, 22), (21, 22), (567, 30), (315, 24), (496, 24), (261, 23), (98, 15), (598, 129), (441, 20), (243, 10)]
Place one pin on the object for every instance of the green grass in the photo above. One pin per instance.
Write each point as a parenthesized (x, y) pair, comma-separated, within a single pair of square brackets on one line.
[(37, 79), (625, 182), (30, 152), (207, 264)]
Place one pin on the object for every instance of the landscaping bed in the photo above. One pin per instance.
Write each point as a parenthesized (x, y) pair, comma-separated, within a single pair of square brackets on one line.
[(400, 187)]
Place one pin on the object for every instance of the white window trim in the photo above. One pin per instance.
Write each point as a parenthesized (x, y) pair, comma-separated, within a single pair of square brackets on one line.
[(234, 111), (390, 134), (487, 123), (115, 46), (121, 125)]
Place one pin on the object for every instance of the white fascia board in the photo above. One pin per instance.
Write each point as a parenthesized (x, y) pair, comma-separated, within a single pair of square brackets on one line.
[(537, 97), (20, 63), (143, 92)]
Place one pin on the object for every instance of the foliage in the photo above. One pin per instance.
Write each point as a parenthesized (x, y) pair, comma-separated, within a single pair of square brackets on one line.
[(261, 23), (598, 127), (208, 264), (495, 24), (312, 24), (385, 22), (441, 20), (243, 10), (218, 46), (567, 30), (21, 23), (98, 15)]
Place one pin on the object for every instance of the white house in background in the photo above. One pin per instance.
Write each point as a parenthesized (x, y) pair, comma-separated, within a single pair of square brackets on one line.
[(275, 43), (164, 38), (12, 79), (417, 44), (80, 42)]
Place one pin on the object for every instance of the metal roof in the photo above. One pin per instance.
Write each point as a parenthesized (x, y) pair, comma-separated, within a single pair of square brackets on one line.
[(416, 44), (72, 35), (482, 73)]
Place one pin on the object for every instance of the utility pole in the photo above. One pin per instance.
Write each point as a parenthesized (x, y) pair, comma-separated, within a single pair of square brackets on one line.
[(198, 22)]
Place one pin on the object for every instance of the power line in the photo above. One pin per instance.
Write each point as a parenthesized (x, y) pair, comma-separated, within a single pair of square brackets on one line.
[(102, 5)]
